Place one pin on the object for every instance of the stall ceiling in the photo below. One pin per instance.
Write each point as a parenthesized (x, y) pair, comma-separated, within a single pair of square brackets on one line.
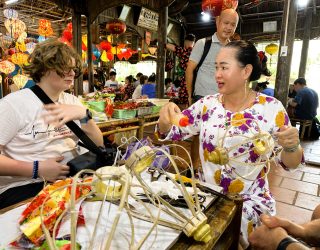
[(252, 15)]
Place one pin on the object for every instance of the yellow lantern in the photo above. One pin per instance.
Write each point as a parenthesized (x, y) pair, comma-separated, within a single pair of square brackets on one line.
[(84, 40), (104, 57), (6, 67), (20, 80), (19, 58), (272, 48)]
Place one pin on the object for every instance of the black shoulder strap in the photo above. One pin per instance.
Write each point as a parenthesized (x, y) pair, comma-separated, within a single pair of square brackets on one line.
[(206, 49), (88, 143)]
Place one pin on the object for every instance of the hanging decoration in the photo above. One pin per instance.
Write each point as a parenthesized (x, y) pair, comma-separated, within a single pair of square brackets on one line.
[(6, 67), (10, 13), (214, 7), (271, 49), (116, 27), (45, 28), (19, 58), (20, 80), (67, 33), (30, 47), (15, 27)]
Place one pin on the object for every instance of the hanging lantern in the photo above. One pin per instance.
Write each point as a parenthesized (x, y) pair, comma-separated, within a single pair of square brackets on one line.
[(104, 57), (110, 56), (15, 27), (10, 13), (84, 39), (30, 47), (6, 67), (67, 34), (19, 58), (116, 27), (22, 37), (21, 46), (272, 48), (45, 28), (214, 7), (20, 80), (105, 45)]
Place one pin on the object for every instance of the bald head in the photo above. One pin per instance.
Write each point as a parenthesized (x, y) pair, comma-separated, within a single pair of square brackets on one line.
[(226, 24)]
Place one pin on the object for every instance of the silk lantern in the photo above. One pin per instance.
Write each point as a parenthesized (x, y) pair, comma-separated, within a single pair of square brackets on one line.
[(7, 67), (45, 28), (10, 13), (19, 58), (214, 7), (116, 27), (15, 27), (272, 48), (20, 80)]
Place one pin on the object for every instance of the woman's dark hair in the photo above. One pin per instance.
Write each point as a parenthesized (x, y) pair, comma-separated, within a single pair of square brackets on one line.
[(247, 54), (167, 81), (152, 78), (190, 37), (262, 85), (177, 83), (143, 78), (130, 78), (53, 55), (264, 59)]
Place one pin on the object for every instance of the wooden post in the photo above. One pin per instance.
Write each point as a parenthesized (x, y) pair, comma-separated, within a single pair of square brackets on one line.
[(89, 54), (288, 30), (76, 41), (161, 56), (305, 43)]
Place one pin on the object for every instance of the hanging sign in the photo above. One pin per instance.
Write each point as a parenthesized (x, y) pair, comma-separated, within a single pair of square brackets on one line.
[(148, 19)]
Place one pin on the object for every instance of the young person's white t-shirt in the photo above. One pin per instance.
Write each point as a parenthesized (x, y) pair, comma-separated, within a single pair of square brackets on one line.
[(26, 137)]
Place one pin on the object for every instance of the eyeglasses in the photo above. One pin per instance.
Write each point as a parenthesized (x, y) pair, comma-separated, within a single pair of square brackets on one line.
[(76, 70)]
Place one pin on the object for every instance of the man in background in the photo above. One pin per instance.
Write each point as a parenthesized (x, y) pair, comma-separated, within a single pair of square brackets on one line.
[(112, 82), (205, 83)]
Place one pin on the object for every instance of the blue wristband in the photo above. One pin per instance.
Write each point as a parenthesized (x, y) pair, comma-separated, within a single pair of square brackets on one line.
[(35, 169)]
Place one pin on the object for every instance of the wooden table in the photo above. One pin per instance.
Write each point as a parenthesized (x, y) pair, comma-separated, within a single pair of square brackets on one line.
[(113, 126), (224, 218)]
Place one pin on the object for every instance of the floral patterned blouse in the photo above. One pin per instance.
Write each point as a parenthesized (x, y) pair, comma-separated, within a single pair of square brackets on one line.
[(211, 121)]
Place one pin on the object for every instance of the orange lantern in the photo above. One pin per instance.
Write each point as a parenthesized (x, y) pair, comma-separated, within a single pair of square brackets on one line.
[(45, 28), (116, 27), (214, 7), (105, 45), (6, 67), (19, 58), (20, 80)]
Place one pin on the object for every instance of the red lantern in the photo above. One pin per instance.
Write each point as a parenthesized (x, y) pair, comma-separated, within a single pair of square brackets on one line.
[(214, 7), (120, 56), (127, 54), (116, 27), (110, 56), (67, 34), (104, 45)]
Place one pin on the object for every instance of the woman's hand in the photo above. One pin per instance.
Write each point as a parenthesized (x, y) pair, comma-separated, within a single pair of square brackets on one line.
[(288, 137), (52, 170), (58, 114), (167, 113)]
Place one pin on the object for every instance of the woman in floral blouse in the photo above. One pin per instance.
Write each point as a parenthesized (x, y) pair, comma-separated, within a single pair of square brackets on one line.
[(183, 53), (129, 88), (239, 111)]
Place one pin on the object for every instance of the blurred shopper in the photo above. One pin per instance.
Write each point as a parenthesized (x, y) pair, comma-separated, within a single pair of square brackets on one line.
[(129, 88), (112, 82), (183, 53), (137, 92), (149, 88)]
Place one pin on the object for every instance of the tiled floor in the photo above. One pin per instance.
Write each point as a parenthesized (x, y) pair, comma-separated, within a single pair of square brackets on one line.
[(297, 193)]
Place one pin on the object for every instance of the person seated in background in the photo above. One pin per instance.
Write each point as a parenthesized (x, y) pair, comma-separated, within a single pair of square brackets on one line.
[(35, 143), (285, 234), (112, 82), (304, 106), (173, 91), (292, 93), (264, 89), (137, 92), (305, 102), (129, 88), (149, 88), (137, 81), (167, 84)]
